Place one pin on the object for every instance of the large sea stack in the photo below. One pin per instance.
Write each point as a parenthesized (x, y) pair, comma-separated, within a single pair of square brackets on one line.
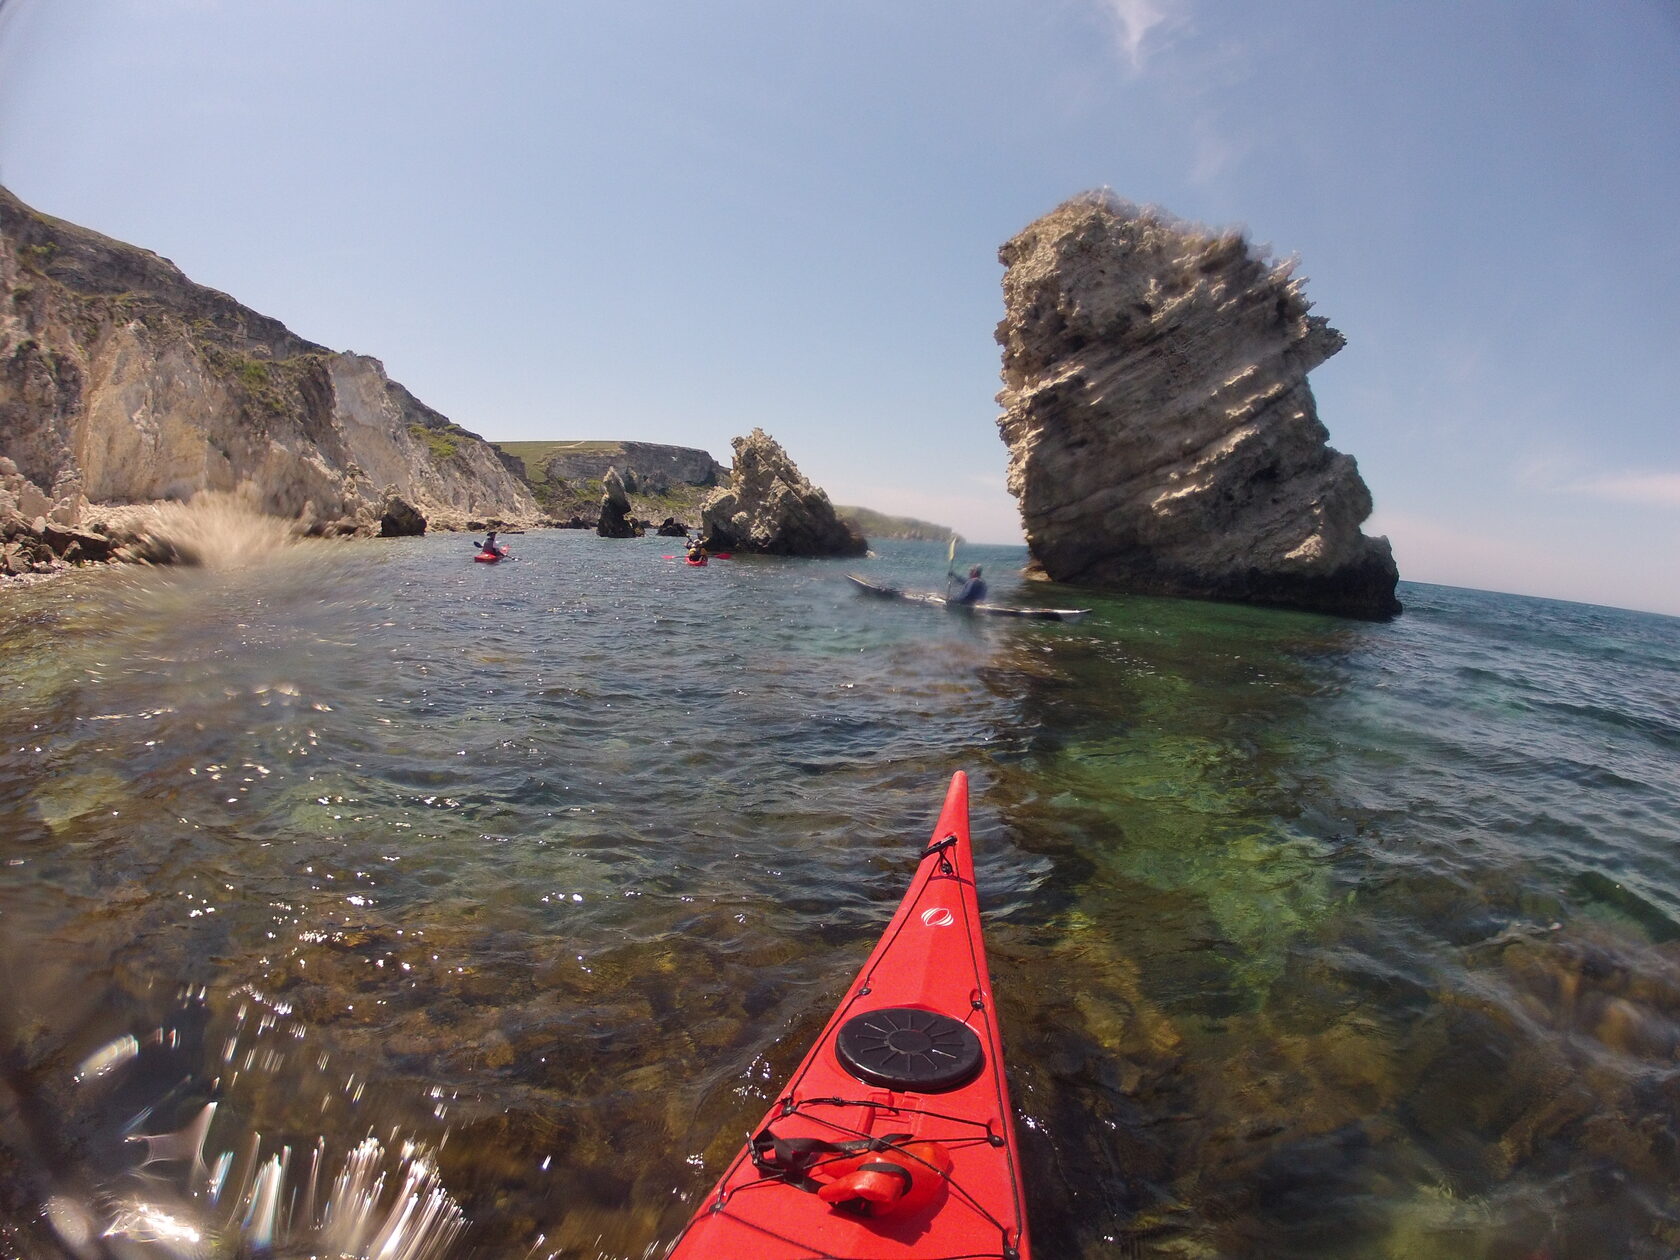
[(123, 382), (1162, 436), (770, 507)]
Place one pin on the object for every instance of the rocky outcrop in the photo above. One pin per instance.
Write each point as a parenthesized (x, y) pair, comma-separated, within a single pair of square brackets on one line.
[(645, 467), (39, 532), (45, 547), (1162, 437), (616, 521), (120, 373), (770, 507), (398, 518)]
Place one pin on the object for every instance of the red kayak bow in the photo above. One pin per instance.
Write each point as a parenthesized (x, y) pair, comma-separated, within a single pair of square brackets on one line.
[(894, 1137)]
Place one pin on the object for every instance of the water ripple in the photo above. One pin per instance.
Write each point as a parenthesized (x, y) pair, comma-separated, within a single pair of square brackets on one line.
[(1312, 938)]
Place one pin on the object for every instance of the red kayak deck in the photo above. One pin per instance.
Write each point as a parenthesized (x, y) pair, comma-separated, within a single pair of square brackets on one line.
[(912, 1056)]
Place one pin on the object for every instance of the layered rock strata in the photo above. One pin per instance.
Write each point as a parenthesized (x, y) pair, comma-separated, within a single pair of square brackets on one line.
[(1162, 436), (769, 507), (119, 373)]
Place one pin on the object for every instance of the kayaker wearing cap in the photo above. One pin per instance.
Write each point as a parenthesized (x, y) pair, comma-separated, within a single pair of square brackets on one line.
[(973, 590)]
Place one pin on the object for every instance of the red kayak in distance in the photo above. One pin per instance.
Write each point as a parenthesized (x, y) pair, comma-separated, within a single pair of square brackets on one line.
[(491, 557), (894, 1138)]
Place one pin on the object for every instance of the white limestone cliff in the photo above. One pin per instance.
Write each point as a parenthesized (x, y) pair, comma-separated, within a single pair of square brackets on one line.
[(118, 372)]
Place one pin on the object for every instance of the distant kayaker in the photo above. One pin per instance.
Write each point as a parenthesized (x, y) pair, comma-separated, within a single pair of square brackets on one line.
[(490, 547), (973, 590)]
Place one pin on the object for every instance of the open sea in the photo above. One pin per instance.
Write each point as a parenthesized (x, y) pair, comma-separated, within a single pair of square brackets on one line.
[(360, 900)]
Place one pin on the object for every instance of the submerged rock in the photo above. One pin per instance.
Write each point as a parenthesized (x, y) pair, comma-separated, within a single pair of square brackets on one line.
[(770, 507), (1162, 436)]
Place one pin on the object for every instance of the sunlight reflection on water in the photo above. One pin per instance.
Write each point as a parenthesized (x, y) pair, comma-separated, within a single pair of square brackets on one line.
[(1311, 938)]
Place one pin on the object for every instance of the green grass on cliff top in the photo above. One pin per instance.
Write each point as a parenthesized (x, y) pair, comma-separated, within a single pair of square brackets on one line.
[(537, 454)]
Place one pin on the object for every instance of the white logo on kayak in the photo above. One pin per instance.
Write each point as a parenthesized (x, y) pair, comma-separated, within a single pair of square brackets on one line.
[(939, 916)]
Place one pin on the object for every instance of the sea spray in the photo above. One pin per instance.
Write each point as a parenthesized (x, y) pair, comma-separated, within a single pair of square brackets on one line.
[(207, 1188), (214, 529)]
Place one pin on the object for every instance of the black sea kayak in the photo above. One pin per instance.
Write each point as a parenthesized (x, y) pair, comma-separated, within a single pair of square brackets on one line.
[(867, 587)]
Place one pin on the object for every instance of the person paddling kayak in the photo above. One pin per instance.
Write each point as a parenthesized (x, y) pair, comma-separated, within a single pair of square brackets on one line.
[(972, 591)]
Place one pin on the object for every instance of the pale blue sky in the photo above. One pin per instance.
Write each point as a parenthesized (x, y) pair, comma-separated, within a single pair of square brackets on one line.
[(674, 221)]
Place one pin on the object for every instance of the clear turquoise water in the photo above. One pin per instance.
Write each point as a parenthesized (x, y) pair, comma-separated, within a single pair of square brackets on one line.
[(1315, 938)]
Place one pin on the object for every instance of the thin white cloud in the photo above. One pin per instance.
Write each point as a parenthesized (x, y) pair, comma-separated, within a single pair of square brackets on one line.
[(1429, 549), (1215, 153), (1547, 469), (1559, 472), (1656, 489), (1561, 562), (1133, 21)]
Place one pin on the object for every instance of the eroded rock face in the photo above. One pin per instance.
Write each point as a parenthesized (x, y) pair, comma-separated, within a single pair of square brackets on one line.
[(398, 518), (119, 372), (1162, 437), (616, 521), (769, 507)]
